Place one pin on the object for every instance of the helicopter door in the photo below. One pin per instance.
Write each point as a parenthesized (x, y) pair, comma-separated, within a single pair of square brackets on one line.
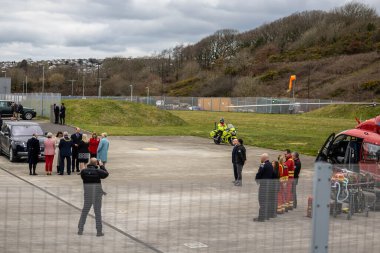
[(323, 153), (351, 158)]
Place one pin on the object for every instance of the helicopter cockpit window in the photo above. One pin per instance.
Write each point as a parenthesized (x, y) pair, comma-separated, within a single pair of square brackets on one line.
[(346, 150), (371, 152)]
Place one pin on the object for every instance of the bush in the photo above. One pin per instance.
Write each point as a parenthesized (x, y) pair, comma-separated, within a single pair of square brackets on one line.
[(269, 76)]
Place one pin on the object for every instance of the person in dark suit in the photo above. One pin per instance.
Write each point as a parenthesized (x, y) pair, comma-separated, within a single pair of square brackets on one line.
[(263, 177), (62, 114), (33, 147), (93, 193), (76, 139), (65, 145), (56, 113)]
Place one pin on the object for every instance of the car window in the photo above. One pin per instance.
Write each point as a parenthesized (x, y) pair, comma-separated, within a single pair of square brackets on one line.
[(371, 152), (2, 103), (26, 130), (9, 104)]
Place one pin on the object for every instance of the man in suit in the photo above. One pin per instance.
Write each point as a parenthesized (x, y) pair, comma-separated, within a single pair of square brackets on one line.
[(33, 147), (56, 113), (62, 114), (75, 138), (263, 177)]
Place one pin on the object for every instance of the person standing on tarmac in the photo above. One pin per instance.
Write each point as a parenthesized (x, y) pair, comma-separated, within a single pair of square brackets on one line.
[(238, 160), (93, 193), (297, 170), (33, 147), (263, 177), (289, 163)]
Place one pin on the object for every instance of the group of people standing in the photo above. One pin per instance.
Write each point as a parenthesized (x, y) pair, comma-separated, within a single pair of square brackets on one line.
[(17, 109), (74, 150), (59, 114), (277, 180)]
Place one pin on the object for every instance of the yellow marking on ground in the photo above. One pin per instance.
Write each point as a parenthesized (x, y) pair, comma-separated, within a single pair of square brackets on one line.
[(150, 149)]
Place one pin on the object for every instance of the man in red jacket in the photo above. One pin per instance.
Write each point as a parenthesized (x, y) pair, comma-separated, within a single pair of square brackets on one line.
[(289, 186)]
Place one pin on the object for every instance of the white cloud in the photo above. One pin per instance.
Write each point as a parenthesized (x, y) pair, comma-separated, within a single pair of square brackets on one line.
[(48, 29)]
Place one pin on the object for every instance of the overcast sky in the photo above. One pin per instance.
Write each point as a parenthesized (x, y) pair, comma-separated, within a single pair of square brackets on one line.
[(49, 29)]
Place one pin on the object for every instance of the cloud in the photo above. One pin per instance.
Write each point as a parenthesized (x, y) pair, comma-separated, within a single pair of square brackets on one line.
[(48, 29)]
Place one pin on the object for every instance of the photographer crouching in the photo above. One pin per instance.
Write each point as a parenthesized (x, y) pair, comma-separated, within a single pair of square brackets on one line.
[(93, 193)]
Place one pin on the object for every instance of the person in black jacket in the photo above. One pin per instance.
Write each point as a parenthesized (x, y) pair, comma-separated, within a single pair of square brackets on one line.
[(76, 139), (238, 160), (297, 170), (33, 147), (65, 145), (62, 114), (263, 177), (93, 193), (56, 113)]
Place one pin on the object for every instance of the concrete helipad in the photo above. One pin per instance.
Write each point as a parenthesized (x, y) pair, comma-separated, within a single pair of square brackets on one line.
[(164, 194)]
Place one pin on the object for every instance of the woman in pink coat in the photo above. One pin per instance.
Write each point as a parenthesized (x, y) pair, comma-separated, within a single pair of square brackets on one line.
[(49, 153)]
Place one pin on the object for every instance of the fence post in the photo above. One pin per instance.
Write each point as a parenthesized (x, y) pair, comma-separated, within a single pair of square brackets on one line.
[(321, 207)]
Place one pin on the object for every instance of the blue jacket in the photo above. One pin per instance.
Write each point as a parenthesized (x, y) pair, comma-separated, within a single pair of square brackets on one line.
[(103, 150), (65, 147)]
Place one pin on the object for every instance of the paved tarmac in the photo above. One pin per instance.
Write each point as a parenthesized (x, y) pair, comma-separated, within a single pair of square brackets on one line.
[(165, 194)]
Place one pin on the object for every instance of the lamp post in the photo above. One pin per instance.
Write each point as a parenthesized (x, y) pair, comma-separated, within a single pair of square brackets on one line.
[(72, 86), (26, 84), (131, 92), (100, 87), (83, 85), (43, 90), (147, 100)]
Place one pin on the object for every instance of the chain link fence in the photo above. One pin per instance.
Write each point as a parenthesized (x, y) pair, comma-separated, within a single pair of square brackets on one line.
[(218, 104), (41, 102)]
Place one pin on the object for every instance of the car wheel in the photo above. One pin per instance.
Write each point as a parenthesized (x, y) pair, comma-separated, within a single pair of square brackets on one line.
[(12, 157), (28, 116)]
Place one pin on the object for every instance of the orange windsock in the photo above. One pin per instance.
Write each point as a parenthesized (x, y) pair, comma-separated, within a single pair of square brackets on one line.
[(292, 78)]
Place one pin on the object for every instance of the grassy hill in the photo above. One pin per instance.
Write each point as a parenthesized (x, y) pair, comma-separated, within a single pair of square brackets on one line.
[(117, 113), (362, 112), (304, 133)]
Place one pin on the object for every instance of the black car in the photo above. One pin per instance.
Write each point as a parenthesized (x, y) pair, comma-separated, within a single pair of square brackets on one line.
[(6, 110), (14, 136)]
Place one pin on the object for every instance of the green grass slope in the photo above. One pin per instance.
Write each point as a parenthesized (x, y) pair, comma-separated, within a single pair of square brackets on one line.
[(362, 112), (117, 113)]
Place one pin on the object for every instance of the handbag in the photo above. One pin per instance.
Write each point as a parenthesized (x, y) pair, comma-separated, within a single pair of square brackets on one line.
[(83, 155)]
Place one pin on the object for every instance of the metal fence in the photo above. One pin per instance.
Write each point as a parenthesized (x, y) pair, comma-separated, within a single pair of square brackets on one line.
[(41, 102), (266, 104), (171, 217)]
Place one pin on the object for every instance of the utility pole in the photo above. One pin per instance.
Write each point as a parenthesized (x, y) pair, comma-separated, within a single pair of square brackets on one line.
[(100, 87), (83, 85), (147, 100), (131, 92), (43, 89), (26, 84), (72, 86)]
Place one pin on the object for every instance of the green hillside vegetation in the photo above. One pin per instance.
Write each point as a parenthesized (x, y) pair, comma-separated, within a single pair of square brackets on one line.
[(111, 113), (298, 132), (334, 54), (362, 112)]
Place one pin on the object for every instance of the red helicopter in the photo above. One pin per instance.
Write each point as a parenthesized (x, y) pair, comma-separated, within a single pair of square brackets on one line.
[(356, 150)]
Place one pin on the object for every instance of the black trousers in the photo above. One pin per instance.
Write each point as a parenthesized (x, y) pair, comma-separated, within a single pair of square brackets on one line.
[(74, 160), (32, 165), (62, 164), (235, 171), (93, 194), (62, 120), (263, 201), (294, 192), (56, 118), (239, 170)]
